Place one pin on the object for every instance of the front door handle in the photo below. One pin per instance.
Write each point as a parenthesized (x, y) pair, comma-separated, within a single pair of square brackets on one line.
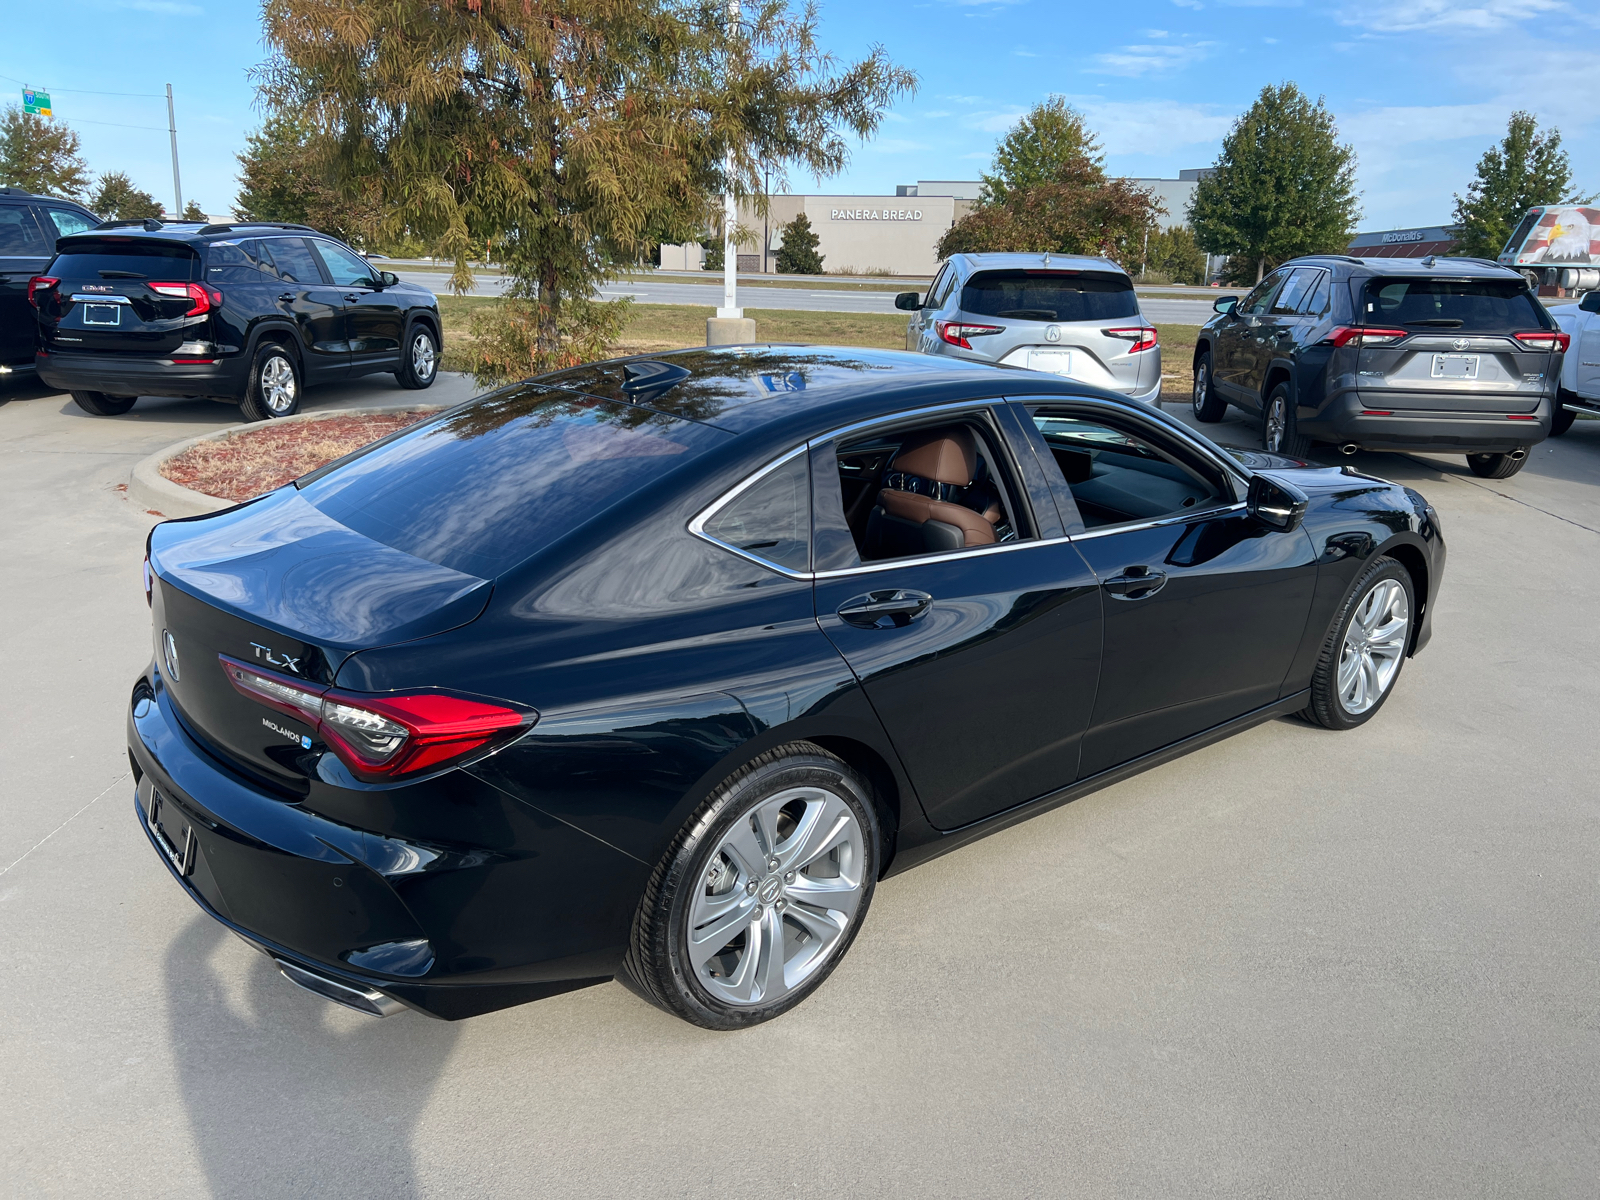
[(352, 297), (286, 298), (890, 609), (1135, 583)]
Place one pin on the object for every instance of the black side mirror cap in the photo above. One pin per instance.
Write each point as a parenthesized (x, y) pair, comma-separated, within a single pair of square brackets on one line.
[(1276, 504), (388, 278), (911, 301), (1590, 302), (1224, 303)]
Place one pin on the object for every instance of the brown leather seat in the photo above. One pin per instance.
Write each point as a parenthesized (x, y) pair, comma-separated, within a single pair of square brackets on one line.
[(905, 522)]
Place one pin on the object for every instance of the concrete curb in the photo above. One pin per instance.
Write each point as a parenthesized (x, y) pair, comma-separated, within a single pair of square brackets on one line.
[(148, 488)]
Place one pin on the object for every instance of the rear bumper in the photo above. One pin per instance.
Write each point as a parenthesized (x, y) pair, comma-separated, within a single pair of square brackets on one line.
[(1371, 423), (127, 376)]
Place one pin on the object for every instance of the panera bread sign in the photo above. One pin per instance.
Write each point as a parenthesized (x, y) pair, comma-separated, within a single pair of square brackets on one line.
[(874, 214)]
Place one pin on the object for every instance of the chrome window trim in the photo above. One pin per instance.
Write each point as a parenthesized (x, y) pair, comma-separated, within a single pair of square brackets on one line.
[(917, 560), (697, 523), (1179, 518)]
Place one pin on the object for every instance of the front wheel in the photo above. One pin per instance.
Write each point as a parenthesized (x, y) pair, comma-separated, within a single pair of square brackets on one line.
[(1208, 405), (1496, 466), (274, 387), (420, 361), (1364, 649), (1562, 417), (761, 893), (1279, 433), (102, 405)]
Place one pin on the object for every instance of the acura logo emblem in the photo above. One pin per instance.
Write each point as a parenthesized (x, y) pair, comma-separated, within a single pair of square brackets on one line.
[(1052, 333)]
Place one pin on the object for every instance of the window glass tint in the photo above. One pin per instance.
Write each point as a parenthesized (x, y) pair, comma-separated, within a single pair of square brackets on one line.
[(771, 519), (1116, 476), (1260, 297), (1317, 298), (1487, 305), (942, 287), (231, 262), (111, 259), (346, 269), (486, 486), (1294, 292), (1050, 295), (19, 235), (65, 222), (292, 259)]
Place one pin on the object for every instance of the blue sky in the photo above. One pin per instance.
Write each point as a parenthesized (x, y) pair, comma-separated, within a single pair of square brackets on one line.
[(1419, 88)]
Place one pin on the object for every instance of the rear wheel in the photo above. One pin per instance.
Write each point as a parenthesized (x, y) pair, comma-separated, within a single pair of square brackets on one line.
[(102, 405), (419, 362), (1496, 466), (274, 388), (1208, 405), (1279, 434), (1561, 418)]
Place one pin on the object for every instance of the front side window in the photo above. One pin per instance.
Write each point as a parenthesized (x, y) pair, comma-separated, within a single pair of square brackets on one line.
[(19, 236), (347, 269), (1050, 295), (770, 519), (1119, 474), (1260, 298)]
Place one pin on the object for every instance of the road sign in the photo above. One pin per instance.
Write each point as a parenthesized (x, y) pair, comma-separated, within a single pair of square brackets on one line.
[(37, 103)]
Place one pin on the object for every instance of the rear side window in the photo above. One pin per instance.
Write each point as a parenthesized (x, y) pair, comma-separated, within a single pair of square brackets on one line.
[(111, 258), (484, 487), (1487, 305), (290, 259), (770, 519), (1050, 295), (1317, 299), (231, 262), (20, 237)]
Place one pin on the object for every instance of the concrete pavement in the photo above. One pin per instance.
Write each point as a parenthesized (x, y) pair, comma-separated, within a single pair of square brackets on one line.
[(1296, 963)]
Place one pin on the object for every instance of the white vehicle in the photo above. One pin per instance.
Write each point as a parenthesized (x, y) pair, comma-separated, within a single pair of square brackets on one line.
[(1557, 246), (1580, 371)]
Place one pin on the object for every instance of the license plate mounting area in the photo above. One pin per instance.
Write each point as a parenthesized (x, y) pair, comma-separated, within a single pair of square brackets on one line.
[(1455, 366), (102, 314), (173, 833)]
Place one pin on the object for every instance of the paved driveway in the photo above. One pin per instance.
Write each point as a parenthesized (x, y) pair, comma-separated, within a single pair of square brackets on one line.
[(1294, 964)]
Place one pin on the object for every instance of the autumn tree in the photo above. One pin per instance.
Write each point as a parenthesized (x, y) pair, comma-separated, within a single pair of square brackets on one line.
[(572, 132), (1051, 138), (1283, 186), (798, 254), (41, 155), (1527, 168), (115, 196), (1080, 211), (286, 174)]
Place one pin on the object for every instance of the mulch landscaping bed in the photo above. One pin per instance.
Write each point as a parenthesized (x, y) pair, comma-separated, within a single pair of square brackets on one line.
[(256, 460)]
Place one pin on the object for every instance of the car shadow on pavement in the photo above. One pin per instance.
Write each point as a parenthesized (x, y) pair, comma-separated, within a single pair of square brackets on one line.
[(286, 1093)]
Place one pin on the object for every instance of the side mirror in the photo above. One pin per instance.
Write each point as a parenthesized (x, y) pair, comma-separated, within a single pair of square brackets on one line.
[(1275, 504), (1590, 302), (387, 278), (1224, 303), (911, 301)]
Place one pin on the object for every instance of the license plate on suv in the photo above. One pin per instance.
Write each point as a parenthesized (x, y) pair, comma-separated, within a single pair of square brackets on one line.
[(102, 314), (1455, 366), (1057, 362)]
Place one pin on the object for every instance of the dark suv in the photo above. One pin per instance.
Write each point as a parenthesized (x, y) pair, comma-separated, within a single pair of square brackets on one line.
[(29, 227), (1440, 354), (246, 312)]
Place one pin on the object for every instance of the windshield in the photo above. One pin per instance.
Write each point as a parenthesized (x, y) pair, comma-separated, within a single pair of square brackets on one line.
[(1050, 295), (1484, 305), (114, 259)]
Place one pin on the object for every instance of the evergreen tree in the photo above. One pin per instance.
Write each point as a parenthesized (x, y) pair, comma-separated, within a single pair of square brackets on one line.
[(798, 254), (1052, 138), (193, 212), (115, 197), (40, 155), (1526, 169), (1283, 186), (1078, 212)]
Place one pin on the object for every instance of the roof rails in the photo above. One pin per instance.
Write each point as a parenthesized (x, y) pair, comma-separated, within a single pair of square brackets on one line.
[(148, 224), (229, 228)]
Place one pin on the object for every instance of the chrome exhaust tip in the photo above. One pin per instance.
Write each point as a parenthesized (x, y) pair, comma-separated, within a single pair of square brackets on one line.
[(364, 1000), (1520, 453), (1349, 448)]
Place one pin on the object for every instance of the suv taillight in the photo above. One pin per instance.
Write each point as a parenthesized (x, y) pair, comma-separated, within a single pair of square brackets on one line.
[(957, 334), (205, 299), (1358, 335), (1143, 337), (1544, 339), (386, 737), (40, 283)]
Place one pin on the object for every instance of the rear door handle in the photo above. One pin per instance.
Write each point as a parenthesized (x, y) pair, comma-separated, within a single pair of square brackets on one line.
[(287, 298), (1135, 583), (890, 609)]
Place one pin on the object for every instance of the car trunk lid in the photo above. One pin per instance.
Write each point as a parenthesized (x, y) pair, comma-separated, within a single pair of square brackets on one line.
[(126, 295)]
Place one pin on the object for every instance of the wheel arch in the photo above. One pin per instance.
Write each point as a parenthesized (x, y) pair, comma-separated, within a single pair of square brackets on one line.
[(1278, 372), (887, 795), (1202, 346), (278, 333), (1415, 561), (426, 316)]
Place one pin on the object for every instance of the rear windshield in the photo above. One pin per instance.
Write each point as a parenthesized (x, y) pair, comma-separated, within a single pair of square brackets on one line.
[(1050, 296), (1490, 305), (126, 260), (487, 486)]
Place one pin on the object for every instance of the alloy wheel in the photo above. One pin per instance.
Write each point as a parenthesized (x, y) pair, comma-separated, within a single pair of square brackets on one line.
[(776, 897), (1202, 376), (423, 358), (278, 386), (1277, 419), (1374, 644)]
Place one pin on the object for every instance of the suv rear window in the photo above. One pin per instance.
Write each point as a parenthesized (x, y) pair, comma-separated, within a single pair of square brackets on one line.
[(126, 260), (1050, 295), (486, 486), (1490, 305)]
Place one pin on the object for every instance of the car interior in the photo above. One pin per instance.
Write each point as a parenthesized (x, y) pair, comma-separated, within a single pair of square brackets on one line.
[(927, 490), (1116, 477)]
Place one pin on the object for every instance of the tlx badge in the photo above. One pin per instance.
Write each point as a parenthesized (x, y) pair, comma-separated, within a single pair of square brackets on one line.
[(277, 660)]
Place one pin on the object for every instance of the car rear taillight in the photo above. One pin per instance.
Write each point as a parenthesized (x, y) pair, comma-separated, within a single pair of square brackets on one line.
[(390, 736), (40, 283), (1357, 335), (205, 299), (1143, 337), (1544, 339), (957, 334)]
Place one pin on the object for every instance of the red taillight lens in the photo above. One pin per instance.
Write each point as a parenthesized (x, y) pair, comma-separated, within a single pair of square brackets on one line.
[(1142, 337), (40, 283), (385, 737), (957, 334), (1545, 339), (1358, 335), (204, 299)]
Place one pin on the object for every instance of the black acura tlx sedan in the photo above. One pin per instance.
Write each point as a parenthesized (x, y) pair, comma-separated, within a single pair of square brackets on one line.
[(651, 669)]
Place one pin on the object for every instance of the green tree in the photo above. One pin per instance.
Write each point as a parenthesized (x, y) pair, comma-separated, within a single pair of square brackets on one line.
[(116, 197), (1283, 186), (1175, 254), (193, 212), (40, 155), (798, 254), (573, 132), (1527, 168), (1050, 139), (286, 174)]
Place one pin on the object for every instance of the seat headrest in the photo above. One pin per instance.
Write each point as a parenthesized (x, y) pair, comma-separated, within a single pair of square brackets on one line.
[(947, 455)]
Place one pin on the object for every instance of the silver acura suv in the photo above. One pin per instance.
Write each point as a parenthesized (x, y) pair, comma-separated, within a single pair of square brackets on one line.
[(1065, 314)]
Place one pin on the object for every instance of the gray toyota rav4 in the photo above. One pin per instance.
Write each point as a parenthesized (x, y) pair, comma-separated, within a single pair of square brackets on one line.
[(1064, 314)]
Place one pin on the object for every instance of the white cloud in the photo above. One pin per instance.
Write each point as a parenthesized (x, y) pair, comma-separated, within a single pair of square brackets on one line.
[(935, 114), (995, 122), (1154, 59), (1453, 16), (1194, 4), (896, 146), (1153, 126), (1155, 33)]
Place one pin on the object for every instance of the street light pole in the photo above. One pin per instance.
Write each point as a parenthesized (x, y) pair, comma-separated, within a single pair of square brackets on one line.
[(730, 215), (172, 130)]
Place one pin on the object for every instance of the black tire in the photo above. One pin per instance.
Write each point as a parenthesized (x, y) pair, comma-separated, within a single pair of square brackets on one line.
[(1325, 707), (1496, 466), (273, 391), (658, 966), (419, 364), (101, 405), (1561, 418), (1278, 424), (1209, 406)]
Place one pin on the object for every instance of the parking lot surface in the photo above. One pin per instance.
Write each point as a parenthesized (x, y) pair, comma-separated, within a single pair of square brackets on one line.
[(1296, 963)]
